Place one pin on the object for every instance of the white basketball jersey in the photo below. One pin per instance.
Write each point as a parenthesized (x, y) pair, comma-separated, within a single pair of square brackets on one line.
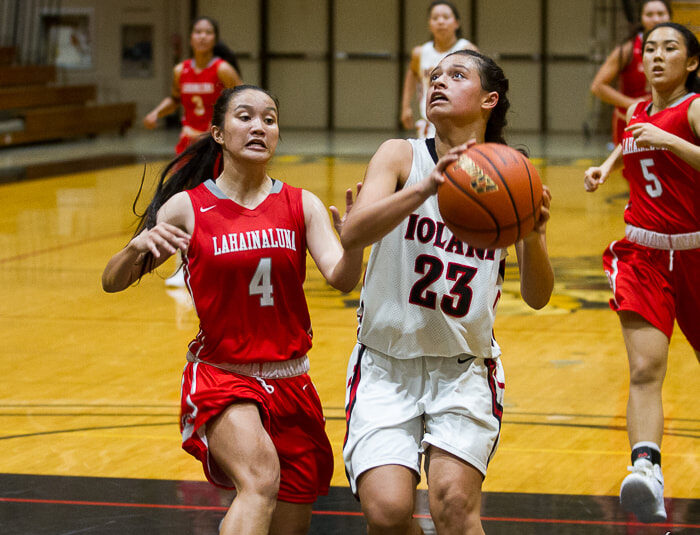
[(429, 58), (425, 292)]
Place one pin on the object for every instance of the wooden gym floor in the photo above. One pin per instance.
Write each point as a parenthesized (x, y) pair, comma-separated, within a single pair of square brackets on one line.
[(90, 382)]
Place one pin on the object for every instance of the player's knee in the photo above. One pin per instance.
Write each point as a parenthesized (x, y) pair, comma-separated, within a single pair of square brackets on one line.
[(455, 507), (263, 480), (647, 371), (386, 514)]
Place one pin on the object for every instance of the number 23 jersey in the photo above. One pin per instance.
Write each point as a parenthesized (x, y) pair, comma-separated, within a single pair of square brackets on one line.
[(245, 270), (664, 189), (425, 292)]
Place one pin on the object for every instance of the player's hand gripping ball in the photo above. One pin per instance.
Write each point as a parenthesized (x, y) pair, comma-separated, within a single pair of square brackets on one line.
[(491, 197)]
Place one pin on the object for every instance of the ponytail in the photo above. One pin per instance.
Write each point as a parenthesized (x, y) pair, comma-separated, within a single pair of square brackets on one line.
[(198, 163), (225, 53)]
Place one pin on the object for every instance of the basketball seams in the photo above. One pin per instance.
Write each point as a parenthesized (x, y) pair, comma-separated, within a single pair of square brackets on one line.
[(503, 182), (532, 191), (475, 198), (495, 220), (474, 231)]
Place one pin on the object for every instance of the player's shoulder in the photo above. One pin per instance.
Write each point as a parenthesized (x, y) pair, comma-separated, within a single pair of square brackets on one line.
[(395, 149), (393, 158), (694, 115), (465, 44), (178, 211)]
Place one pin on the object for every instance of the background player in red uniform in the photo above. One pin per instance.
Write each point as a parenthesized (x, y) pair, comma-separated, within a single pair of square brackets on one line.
[(654, 270), (625, 64), (249, 411), (197, 83)]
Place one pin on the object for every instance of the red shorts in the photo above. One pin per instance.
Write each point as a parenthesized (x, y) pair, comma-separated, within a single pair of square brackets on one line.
[(183, 143), (657, 284), (291, 413), (188, 136)]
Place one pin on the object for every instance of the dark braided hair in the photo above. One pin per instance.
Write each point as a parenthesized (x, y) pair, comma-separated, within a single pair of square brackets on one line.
[(692, 82), (198, 163), (492, 79)]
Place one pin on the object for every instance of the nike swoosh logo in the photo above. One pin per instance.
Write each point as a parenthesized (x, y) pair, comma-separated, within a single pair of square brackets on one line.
[(462, 361), (207, 208)]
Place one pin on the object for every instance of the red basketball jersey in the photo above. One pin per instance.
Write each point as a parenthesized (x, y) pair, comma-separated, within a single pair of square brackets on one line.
[(198, 93), (633, 82), (664, 189), (245, 270)]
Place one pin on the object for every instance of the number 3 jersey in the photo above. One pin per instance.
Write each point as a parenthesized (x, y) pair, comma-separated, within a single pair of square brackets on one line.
[(425, 292), (245, 270), (664, 189), (199, 90)]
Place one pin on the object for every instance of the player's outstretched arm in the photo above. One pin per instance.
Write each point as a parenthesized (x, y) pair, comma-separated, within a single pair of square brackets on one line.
[(536, 273), (341, 267), (163, 240), (597, 175)]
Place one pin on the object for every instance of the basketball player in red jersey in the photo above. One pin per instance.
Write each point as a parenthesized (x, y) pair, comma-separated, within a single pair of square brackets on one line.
[(249, 411), (625, 63), (198, 82), (425, 379), (654, 270)]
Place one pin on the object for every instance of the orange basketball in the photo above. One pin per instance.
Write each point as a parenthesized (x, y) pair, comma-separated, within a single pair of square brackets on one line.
[(491, 196)]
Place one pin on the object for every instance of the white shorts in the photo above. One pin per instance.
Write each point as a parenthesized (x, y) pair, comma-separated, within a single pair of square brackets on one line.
[(397, 408)]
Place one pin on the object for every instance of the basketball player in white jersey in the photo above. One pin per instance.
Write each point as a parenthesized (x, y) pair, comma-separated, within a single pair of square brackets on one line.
[(425, 377), (443, 22)]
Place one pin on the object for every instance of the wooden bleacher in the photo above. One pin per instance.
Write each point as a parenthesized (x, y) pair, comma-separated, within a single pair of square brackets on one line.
[(31, 109)]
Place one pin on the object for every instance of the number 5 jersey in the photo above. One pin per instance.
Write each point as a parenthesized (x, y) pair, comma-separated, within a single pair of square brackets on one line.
[(245, 270), (664, 189)]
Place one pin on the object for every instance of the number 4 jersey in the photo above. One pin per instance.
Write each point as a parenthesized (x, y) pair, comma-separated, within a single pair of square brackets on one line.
[(664, 189), (245, 270), (425, 292)]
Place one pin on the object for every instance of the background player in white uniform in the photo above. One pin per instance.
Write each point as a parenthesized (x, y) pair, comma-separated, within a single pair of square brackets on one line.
[(444, 25), (654, 270), (426, 374)]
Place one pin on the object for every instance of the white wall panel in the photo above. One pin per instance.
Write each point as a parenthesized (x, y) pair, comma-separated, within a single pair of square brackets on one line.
[(568, 93), (302, 90), (523, 94), (366, 94), (509, 26)]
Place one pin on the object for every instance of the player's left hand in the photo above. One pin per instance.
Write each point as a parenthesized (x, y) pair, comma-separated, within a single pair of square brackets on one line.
[(541, 223), (647, 135), (339, 221)]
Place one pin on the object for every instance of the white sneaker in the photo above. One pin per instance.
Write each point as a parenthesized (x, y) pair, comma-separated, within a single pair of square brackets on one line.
[(642, 492), (176, 280)]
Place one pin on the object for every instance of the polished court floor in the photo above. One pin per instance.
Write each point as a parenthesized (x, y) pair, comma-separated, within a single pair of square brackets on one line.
[(90, 385)]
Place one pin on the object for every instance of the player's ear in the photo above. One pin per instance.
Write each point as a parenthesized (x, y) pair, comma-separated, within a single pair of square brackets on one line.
[(490, 100), (217, 134)]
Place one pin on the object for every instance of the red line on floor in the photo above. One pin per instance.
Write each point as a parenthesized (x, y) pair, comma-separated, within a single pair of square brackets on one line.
[(344, 513)]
